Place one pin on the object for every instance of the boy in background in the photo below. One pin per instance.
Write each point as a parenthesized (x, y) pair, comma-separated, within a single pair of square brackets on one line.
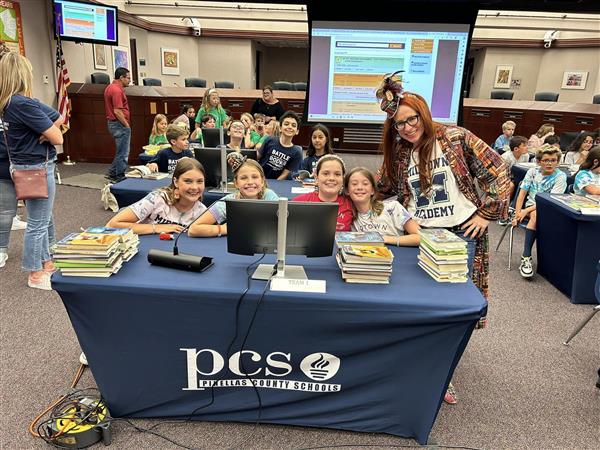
[(502, 142), (518, 153), (545, 178), (279, 157), (166, 159)]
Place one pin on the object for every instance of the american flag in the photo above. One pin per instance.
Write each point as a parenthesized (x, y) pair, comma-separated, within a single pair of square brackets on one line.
[(62, 83)]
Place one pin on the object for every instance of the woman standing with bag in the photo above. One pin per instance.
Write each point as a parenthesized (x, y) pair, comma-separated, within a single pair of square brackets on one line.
[(30, 133)]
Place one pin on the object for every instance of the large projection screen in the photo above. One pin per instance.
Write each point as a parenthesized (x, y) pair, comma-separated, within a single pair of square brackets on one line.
[(349, 59)]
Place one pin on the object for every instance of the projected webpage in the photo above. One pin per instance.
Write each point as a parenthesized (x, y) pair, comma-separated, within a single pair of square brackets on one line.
[(348, 64), (86, 21)]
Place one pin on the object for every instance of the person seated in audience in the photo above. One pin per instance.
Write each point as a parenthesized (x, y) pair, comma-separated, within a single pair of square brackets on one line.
[(389, 218), (502, 142), (236, 135), (166, 159), (169, 209), (330, 173), (251, 136), (536, 140), (159, 127), (268, 105), (545, 178), (188, 113), (519, 152), (211, 104), (279, 157), (587, 180), (250, 181), (597, 137), (271, 129), (553, 140), (319, 145), (207, 121), (579, 148), (259, 123)]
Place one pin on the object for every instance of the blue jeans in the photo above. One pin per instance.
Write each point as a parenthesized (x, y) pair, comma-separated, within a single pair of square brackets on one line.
[(36, 242), (471, 242), (8, 210), (122, 137)]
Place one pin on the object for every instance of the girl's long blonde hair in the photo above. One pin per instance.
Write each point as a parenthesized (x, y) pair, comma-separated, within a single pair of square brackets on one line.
[(157, 119), (255, 165), (206, 101), (16, 77)]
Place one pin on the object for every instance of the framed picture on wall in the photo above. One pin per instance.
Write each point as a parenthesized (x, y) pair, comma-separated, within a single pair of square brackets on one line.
[(574, 80), (169, 61), (121, 57), (99, 51), (503, 77)]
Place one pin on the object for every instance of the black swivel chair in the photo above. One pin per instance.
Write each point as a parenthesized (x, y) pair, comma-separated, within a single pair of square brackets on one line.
[(300, 86), (195, 82), (224, 85), (502, 95), (100, 78), (282, 86), (566, 137), (546, 97), (596, 99), (152, 82)]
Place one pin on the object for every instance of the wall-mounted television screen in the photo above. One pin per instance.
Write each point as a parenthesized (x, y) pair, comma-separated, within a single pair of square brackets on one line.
[(349, 59), (85, 22)]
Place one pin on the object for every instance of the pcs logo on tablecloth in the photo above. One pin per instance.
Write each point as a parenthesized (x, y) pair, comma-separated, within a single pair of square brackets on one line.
[(207, 368)]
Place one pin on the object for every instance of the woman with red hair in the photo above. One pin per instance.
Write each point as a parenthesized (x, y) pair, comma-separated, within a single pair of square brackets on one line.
[(445, 176)]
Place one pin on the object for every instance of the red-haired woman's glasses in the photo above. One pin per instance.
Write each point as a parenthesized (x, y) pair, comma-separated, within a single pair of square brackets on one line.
[(412, 121)]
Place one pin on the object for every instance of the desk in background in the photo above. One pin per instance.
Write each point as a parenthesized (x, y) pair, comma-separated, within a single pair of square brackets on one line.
[(371, 358), (568, 248), (131, 190)]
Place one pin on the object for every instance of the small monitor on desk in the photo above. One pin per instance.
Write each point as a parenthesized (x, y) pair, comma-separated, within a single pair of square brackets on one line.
[(306, 228), (213, 137), (211, 158)]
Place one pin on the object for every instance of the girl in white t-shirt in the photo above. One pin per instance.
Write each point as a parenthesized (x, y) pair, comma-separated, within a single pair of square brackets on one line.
[(389, 218), (170, 209)]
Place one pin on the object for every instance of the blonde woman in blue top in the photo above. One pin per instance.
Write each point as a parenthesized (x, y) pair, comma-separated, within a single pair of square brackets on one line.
[(587, 180), (250, 182)]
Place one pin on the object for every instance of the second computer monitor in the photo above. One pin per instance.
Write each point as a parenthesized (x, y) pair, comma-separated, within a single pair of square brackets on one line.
[(210, 158)]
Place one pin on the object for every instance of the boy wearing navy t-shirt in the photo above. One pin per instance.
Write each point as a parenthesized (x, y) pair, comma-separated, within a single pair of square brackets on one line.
[(166, 159), (279, 157)]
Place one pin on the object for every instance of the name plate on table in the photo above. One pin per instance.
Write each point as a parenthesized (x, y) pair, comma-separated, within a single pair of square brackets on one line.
[(294, 285), (302, 189)]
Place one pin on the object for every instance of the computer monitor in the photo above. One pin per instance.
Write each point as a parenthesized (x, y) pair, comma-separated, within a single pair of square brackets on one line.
[(210, 158), (213, 137), (261, 226)]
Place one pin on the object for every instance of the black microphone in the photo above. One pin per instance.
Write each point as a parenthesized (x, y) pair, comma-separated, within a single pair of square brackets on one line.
[(181, 261)]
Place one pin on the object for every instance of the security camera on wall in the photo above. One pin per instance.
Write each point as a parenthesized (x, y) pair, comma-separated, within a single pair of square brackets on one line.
[(550, 36), (194, 24)]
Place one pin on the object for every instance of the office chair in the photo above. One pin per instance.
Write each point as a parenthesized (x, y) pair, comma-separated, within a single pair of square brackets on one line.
[(502, 95), (546, 97), (565, 139), (195, 82), (592, 313), (596, 99), (152, 82), (100, 78), (300, 86), (283, 86), (224, 85)]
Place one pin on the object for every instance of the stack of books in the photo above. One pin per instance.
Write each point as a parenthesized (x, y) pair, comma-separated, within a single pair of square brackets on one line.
[(363, 258), (587, 205), (144, 172), (95, 252), (443, 255)]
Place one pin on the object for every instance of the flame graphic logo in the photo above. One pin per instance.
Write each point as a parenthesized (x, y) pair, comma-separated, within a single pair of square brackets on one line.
[(320, 366)]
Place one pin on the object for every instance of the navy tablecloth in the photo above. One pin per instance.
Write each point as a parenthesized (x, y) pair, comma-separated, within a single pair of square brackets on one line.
[(568, 248), (131, 190), (373, 358)]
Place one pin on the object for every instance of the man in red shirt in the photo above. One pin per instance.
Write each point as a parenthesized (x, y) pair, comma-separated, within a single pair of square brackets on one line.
[(117, 114)]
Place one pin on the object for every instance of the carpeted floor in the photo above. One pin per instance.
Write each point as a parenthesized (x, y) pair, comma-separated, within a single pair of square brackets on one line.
[(86, 180), (519, 387)]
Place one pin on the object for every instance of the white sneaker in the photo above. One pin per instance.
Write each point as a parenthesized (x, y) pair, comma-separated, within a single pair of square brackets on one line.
[(83, 359), (526, 267), (41, 283), (18, 224), (3, 258)]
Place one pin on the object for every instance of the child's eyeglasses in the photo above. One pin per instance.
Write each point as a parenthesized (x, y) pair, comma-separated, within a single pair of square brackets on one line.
[(412, 121), (549, 161)]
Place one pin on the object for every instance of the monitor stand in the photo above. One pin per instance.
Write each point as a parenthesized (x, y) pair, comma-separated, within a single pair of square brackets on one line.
[(280, 270), (224, 188)]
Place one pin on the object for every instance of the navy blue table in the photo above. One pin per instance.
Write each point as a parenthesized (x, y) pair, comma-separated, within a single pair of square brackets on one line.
[(131, 190), (371, 358), (568, 248)]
